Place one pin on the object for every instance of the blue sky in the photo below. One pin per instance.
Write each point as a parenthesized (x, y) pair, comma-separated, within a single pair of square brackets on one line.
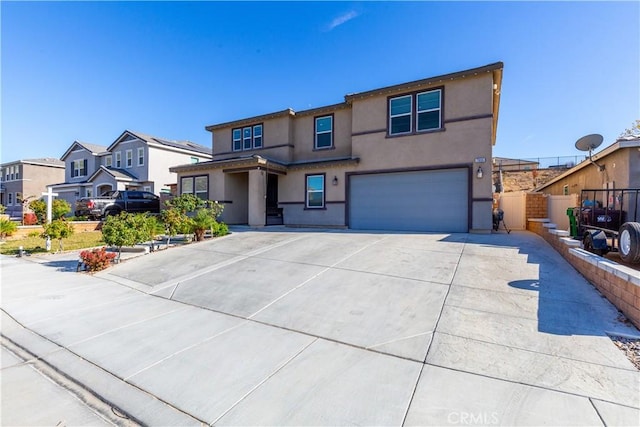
[(88, 71)]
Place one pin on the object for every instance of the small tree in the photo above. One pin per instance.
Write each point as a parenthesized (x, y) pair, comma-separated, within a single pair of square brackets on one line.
[(175, 222), (58, 229), (59, 208), (128, 229), (185, 203), (39, 207), (202, 221), (3, 209)]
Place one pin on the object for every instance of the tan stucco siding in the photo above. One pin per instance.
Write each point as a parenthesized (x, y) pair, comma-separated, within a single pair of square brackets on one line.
[(276, 136), (304, 136), (462, 98)]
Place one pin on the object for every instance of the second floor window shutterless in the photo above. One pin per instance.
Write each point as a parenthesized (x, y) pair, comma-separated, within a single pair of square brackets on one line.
[(140, 156), (400, 115), (118, 159), (246, 138), (129, 154), (324, 132)]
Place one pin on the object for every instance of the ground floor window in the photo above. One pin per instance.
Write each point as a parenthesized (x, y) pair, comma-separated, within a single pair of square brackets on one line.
[(315, 191), (198, 185)]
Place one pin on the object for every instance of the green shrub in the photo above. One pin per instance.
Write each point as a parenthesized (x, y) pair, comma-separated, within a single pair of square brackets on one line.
[(39, 207), (33, 234), (97, 259), (185, 203), (7, 227), (3, 209), (59, 208), (128, 229), (58, 229)]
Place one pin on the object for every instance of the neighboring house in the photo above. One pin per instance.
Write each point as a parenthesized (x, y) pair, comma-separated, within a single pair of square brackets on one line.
[(413, 156), (27, 179), (134, 161), (621, 161)]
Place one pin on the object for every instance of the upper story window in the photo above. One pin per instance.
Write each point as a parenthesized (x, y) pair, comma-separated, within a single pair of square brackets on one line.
[(78, 168), (194, 160), (324, 132), (404, 118), (13, 173), (118, 159), (129, 158), (315, 191), (7, 172), (140, 156), (108, 161), (247, 138), (17, 171)]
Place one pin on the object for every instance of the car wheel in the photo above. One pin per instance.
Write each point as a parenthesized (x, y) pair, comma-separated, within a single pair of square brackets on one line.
[(629, 242)]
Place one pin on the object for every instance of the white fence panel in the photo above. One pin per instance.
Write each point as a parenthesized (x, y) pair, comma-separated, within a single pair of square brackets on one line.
[(557, 209), (514, 207)]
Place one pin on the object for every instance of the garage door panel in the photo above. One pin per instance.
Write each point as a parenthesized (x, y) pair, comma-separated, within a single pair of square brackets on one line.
[(434, 200)]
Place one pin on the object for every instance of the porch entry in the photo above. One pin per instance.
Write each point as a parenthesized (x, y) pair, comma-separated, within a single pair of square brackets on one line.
[(273, 212)]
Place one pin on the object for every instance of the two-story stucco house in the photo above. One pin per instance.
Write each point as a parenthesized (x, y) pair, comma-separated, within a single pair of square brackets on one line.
[(27, 180), (413, 156), (134, 161)]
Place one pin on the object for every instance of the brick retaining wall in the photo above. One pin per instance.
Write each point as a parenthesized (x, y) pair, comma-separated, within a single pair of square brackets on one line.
[(618, 283)]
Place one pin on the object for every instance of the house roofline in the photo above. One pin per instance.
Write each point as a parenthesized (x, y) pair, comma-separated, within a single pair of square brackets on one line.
[(423, 82), (618, 145), (262, 117)]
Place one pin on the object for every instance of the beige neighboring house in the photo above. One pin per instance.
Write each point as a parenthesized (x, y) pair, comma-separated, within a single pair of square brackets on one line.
[(413, 156), (621, 161), (27, 179), (134, 161)]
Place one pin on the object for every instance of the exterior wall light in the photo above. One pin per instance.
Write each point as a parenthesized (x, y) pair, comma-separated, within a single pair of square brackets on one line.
[(479, 172), (335, 180)]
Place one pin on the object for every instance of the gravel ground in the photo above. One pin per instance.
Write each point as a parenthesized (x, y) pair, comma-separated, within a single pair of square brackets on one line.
[(630, 347)]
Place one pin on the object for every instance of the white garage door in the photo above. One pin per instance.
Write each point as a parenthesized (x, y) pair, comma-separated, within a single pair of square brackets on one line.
[(436, 200)]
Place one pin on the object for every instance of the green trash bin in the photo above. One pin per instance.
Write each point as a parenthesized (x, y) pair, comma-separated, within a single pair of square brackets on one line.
[(573, 221)]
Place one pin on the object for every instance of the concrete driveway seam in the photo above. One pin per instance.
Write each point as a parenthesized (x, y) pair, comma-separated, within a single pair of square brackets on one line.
[(203, 271), (631, 368), (182, 350), (109, 388), (125, 326), (264, 380), (318, 274)]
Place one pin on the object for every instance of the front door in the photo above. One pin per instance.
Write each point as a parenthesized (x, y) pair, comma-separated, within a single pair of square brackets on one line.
[(274, 214)]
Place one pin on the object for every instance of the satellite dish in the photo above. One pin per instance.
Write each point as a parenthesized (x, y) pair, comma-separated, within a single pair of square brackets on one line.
[(589, 142)]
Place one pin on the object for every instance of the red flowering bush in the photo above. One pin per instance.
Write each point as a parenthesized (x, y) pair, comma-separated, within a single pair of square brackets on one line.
[(97, 259)]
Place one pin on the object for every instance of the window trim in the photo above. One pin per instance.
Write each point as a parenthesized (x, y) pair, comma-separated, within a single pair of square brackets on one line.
[(414, 112), (128, 156), (234, 139), (108, 161), (193, 185), (391, 117), (246, 143), (17, 172), (306, 190), (439, 109), (316, 133), (140, 156), (9, 199), (78, 168), (118, 159)]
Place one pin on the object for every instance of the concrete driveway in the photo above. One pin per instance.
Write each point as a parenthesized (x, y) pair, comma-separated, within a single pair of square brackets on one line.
[(286, 327)]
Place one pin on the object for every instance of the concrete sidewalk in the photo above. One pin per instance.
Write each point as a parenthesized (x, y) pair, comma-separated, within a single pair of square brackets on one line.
[(300, 327)]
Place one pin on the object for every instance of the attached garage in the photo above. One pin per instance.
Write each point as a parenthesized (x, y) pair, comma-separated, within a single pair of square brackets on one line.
[(432, 200)]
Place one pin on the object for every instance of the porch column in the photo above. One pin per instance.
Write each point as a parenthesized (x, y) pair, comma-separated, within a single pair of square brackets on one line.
[(257, 201)]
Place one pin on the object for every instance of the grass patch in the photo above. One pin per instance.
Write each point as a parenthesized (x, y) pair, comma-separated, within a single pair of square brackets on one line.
[(87, 239)]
